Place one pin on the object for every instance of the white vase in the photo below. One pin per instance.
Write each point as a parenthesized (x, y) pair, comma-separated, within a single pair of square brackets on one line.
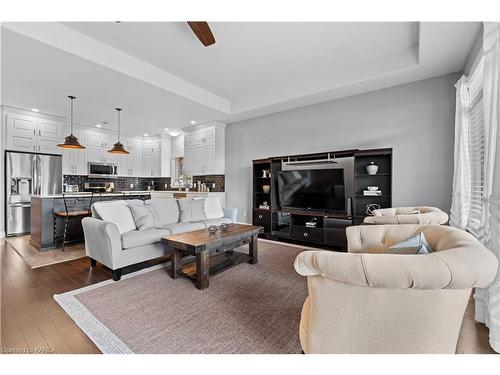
[(372, 169)]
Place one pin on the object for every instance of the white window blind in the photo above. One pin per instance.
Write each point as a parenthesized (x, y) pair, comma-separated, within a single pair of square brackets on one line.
[(476, 149)]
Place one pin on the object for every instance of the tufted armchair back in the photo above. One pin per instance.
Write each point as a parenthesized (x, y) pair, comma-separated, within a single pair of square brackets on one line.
[(366, 301), (407, 215)]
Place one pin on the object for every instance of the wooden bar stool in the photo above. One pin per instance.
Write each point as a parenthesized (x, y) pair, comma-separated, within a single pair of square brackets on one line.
[(70, 213)]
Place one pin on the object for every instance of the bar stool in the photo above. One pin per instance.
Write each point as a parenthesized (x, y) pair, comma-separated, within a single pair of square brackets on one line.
[(70, 213)]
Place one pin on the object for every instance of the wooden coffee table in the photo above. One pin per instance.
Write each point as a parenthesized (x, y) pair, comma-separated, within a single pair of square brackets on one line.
[(213, 252)]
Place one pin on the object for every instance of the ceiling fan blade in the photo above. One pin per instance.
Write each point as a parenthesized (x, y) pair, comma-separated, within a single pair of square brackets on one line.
[(203, 32)]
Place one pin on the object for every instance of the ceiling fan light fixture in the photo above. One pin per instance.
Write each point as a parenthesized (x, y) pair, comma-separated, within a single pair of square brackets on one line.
[(71, 142), (118, 146)]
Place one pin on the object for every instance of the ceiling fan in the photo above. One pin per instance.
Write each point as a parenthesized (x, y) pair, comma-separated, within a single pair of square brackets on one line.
[(203, 32)]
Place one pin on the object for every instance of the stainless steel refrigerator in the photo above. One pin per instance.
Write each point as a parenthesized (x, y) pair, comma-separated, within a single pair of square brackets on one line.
[(26, 175)]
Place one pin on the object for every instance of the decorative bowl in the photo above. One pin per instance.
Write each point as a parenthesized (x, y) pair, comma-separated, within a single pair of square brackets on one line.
[(372, 188), (224, 227), (212, 229)]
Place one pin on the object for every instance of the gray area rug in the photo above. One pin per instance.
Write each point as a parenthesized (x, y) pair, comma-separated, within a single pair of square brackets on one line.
[(246, 309)]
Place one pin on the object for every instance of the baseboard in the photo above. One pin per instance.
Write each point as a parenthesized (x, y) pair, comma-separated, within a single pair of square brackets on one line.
[(2, 234)]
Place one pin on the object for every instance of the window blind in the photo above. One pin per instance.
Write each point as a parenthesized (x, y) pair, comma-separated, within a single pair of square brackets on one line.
[(477, 143)]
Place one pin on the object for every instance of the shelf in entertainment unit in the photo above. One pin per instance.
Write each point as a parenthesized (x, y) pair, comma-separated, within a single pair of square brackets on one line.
[(372, 196), (372, 175)]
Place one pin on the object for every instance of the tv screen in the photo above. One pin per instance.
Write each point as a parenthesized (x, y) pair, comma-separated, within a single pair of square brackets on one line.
[(312, 189)]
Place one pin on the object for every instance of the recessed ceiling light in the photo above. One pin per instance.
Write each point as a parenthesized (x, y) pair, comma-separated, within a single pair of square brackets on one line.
[(192, 122), (35, 109), (98, 125), (173, 134), (145, 134), (166, 129)]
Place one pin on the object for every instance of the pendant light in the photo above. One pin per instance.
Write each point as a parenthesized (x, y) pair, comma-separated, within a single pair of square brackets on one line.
[(71, 141), (118, 147)]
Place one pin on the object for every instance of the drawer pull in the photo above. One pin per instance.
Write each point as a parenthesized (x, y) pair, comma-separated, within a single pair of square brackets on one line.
[(306, 234), (260, 216)]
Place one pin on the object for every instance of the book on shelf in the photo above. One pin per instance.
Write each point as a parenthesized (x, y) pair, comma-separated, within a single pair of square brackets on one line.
[(372, 192)]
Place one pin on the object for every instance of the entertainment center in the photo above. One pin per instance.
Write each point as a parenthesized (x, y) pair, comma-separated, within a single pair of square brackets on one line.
[(310, 199)]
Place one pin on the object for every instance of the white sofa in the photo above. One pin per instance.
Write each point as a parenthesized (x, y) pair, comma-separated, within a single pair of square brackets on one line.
[(366, 301), (407, 215), (108, 244)]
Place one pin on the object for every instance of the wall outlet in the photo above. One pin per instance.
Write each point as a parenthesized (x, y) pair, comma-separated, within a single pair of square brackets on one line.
[(166, 186), (213, 185), (131, 186)]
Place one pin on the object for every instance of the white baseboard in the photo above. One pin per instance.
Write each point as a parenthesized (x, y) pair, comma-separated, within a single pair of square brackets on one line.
[(2, 234)]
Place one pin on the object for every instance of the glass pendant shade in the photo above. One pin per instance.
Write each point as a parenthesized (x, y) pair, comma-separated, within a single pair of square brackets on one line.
[(118, 146), (71, 141)]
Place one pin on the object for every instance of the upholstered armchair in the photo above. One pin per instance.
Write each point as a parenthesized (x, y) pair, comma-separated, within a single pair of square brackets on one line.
[(407, 215), (365, 301)]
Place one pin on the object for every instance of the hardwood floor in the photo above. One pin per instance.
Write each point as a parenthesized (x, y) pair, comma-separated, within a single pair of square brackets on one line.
[(30, 318)]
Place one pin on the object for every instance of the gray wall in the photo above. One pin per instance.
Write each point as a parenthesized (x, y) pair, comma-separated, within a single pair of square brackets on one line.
[(415, 119)]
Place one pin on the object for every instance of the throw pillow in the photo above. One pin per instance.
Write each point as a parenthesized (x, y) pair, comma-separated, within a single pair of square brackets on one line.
[(416, 244), (198, 210), (143, 217), (191, 210), (165, 210), (213, 208), (118, 213)]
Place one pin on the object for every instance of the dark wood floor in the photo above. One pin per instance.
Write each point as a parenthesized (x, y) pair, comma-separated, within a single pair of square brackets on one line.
[(30, 318)]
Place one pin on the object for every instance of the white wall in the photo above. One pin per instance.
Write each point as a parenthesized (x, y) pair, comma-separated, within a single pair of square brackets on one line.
[(415, 119), (2, 152)]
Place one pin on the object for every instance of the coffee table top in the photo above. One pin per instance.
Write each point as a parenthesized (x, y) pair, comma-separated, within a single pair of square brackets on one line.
[(199, 240)]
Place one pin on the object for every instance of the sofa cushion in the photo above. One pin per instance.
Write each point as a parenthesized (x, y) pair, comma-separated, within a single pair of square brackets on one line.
[(166, 210), (213, 208), (183, 227), (416, 244), (117, 212), (136, 238), (217, 222), (192, 210), (143, 216)]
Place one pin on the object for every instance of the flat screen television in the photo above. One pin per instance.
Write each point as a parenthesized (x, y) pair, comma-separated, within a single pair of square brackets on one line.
[(312, 189)]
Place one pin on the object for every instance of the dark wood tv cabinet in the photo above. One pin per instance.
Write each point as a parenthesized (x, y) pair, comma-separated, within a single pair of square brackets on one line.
[(289, 225)]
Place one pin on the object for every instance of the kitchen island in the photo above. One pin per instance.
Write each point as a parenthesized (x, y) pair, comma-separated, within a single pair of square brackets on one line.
[(44, 226)]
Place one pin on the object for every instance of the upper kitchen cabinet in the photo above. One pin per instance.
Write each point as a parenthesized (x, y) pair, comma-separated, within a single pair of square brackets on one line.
[(98, 144), (74, 161), (151, 158), (130, 164), (204, 149), (27, 133)]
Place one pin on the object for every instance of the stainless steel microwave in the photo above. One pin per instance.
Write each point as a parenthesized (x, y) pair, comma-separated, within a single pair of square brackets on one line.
[(102, 170)]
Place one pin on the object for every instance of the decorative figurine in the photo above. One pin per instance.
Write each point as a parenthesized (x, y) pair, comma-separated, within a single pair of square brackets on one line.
[(212, 229)]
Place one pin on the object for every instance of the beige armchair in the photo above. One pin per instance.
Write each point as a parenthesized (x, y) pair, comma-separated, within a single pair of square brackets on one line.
[(365, 301), (407, 215)]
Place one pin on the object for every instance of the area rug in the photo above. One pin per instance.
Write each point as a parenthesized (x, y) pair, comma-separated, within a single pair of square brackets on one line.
[(35, 258), (246, 309)]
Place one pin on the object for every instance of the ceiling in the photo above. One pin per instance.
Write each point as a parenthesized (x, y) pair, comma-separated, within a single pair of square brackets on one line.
[(163, 77)]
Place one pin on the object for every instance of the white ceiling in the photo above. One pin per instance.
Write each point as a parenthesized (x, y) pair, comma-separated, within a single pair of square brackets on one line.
[(163, 77)]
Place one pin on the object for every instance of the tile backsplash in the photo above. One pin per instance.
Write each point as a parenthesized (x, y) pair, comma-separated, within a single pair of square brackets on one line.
[(217, 179), (121, 183), (141, 183)]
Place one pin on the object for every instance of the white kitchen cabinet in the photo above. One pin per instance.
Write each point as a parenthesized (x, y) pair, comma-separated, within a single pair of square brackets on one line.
[(74, 161), (151, 164), (49, 135), (204, 151), (20, 132), (33, 134)]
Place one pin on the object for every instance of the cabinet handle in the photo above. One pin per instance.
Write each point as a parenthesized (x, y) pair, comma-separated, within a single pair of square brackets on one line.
[(39, 132), (38, 148), (34, 132), (260, 216), (34, 148), (306, 234)]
